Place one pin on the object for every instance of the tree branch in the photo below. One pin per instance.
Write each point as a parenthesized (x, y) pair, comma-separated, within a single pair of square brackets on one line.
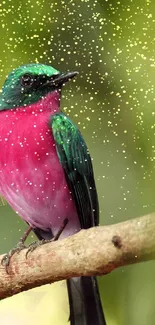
[(95, 251)]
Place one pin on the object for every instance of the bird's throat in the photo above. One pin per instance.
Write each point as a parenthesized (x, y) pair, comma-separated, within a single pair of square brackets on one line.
[(50, 103)]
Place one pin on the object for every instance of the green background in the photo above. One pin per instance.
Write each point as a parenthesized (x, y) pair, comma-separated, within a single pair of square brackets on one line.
[(112, 45)]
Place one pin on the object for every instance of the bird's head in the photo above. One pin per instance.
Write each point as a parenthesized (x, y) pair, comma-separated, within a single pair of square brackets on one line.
[(29, 83)]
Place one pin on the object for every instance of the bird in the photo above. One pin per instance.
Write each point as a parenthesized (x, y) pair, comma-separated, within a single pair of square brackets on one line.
[(46, 172)]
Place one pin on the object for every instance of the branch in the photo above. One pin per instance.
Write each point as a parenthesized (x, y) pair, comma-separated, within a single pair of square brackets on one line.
[(95, 251)]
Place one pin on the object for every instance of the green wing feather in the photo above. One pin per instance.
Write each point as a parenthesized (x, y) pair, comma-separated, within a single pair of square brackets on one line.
[(76, 162)]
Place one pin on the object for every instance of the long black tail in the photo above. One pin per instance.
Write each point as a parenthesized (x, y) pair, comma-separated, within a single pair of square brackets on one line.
[(85, 303)]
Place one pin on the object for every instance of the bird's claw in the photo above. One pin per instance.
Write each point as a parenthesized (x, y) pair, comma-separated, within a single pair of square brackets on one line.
[(36, 244), (20, 246), (7, 257)]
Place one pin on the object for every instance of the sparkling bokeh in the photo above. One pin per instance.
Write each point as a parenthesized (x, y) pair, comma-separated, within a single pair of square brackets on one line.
[(111, 44)]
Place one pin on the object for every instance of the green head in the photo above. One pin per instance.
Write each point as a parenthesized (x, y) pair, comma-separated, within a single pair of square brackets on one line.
[(29, 83)]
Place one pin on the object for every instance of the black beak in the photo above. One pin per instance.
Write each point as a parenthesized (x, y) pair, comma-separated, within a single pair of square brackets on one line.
[(60, 79)]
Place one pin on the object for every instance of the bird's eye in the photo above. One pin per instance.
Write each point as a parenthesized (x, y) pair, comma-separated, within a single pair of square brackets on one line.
[(27, 80)]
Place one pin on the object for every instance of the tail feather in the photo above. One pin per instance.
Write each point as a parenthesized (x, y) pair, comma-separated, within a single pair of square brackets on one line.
[(77, 312), (85, 303)]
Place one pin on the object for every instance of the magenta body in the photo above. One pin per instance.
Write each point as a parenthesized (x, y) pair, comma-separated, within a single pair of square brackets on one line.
[(31, 177)]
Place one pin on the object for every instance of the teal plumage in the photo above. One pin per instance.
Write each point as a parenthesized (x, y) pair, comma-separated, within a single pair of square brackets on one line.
[(75, 159)]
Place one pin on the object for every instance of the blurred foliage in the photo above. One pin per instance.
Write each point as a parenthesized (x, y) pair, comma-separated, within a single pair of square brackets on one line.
[(111, 43)]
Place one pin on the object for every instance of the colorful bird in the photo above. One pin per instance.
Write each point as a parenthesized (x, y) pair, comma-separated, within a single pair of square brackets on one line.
[(46, 172)]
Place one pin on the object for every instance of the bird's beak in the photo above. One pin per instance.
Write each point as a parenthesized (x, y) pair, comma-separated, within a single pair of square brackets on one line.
[(62, 78)]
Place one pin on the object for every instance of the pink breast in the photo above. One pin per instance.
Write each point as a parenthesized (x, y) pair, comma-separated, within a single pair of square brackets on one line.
[(31, 177)]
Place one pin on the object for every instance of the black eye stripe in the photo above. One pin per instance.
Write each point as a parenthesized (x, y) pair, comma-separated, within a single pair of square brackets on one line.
[(29, 80)]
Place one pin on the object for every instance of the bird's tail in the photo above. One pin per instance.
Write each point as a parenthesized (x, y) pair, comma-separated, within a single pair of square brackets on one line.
[(85, 303)]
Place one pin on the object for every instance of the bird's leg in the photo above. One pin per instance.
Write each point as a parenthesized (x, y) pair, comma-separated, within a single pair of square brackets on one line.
[(20, 245), (56, 237), (38, 243)]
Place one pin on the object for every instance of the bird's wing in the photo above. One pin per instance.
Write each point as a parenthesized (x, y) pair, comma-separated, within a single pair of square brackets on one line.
[(76, 162)]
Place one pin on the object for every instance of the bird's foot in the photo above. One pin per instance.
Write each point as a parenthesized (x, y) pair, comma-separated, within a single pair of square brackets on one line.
[(7, 257), (20, 246), (38, 243)]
